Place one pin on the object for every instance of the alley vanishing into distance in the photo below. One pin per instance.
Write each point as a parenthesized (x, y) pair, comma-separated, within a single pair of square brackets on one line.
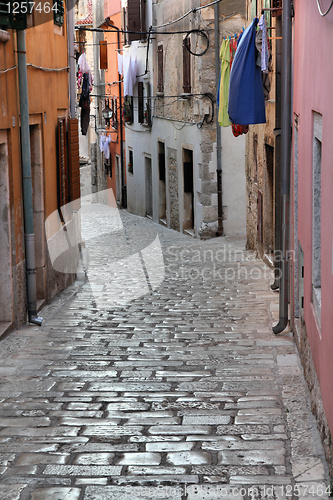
[(157, 375)]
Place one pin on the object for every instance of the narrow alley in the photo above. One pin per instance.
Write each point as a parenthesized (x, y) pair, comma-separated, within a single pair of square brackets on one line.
[(157, 375)]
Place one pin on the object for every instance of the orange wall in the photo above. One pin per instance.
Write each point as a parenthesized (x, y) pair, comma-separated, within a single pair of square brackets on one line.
[(48, 98), (111, 75)]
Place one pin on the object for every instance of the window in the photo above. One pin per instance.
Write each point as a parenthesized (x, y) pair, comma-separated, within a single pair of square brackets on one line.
[(186, 66), (316, 214), (160, 74), (103, 54), (58, 12), (277, 5), (130, 161), (136, 19), (140, 102), (8, 20)]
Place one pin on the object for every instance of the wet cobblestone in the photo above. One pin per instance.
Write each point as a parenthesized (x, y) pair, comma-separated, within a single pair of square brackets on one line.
[(179, 390)]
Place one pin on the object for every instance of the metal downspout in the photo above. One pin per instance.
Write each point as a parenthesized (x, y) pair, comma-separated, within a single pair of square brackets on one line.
[(27, 182), (285, 163), (218, 128), (71, 57), (122, 163)]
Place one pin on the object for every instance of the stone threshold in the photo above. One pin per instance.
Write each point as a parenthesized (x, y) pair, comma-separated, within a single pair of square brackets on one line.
[(5, 328)]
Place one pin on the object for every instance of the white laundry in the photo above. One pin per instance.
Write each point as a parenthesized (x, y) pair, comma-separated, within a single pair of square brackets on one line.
[(107, 141), (129, 74), (120, 64)]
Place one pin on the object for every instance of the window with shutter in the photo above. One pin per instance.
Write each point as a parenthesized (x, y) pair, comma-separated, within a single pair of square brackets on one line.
[(277, 6), (186, 66), (63, 186), (58, 12), (103, 54), (8, 20), (160, 74), (136, 20)]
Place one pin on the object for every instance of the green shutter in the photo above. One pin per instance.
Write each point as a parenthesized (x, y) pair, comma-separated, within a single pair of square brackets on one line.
[(254, 9), (58, 12), (267, 5)]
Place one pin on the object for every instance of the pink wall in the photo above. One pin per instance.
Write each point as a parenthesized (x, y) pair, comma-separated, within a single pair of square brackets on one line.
[(313, 91), (112, 7)]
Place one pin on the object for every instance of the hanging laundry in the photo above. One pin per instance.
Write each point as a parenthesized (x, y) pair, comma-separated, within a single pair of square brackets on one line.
[(224, 84), (106, 148), (84, 104), (246, 95), (264, 47), (84, 68), (120, 64), (129, 74)]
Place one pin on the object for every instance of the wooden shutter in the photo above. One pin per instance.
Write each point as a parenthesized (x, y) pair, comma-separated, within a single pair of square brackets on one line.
[(74, 159), (160, 74), (140, 103), (133, 19), (277, 6), (63, 186), (143, 23), (186, 66), (103, 54)]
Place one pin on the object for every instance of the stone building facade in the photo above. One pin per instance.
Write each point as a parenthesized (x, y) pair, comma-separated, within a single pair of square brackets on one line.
[(174, 178)]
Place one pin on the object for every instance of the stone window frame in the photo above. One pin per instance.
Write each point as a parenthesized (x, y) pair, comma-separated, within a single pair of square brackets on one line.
[(316, 214)]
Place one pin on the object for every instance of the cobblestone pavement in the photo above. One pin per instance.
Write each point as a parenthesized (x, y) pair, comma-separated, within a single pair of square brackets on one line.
[(140, 385)]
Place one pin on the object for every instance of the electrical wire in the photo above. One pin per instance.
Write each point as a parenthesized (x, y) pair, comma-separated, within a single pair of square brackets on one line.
[(47, 69), (323, 14), (195, 9), (36, 67), (8, 69)]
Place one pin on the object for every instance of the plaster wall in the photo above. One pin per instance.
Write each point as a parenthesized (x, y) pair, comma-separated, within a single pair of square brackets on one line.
[(313, 94)]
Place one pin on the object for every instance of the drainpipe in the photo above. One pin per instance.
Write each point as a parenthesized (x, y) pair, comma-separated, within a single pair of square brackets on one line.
[(285, 163), (27, 182), (218, 128), (122, 163), (71, 57)]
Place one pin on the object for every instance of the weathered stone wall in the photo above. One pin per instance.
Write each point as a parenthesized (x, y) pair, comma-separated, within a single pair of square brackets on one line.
[(304, 349)]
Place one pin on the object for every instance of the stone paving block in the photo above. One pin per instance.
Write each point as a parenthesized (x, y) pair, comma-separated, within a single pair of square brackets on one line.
[(91, 480), (132, 493), (81, 470), (41, 458), (307, 469), (252, 457), (189, 458), (11, 492), (170, 446), (179, 429), (97, 458), (139, 459), (88, 421), (56, 493), (207, 419), (112, 430)]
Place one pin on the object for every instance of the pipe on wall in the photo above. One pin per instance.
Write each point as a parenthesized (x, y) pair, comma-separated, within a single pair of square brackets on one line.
[(71, 58), (27, 182), (286, 135), (122, 163), (218, 128)]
